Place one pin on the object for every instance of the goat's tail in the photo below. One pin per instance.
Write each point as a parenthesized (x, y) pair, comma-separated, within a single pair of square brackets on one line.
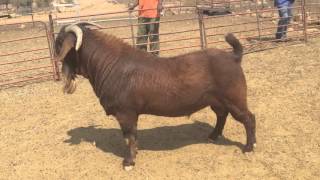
[(237, 47)]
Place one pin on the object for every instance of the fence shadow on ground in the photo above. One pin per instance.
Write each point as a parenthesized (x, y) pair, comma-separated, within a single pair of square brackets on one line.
[(155, 139), (255, 39)]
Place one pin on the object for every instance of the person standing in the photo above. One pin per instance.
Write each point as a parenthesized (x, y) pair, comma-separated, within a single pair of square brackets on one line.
[(285, 15), (148, 20)]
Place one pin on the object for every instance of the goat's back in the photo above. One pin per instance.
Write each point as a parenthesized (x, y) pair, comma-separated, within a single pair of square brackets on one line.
[(183, 84)]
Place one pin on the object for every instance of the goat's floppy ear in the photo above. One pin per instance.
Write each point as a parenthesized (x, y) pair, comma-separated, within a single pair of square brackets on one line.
[(67, 45)]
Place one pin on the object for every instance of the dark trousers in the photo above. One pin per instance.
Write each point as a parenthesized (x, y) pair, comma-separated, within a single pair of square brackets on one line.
[(148, 31), (285, 14)]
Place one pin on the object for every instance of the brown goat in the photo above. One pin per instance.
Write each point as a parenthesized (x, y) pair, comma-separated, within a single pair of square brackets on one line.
[(130, 82)]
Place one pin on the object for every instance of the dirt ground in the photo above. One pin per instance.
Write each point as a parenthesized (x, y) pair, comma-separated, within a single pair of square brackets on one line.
[(48, 135)]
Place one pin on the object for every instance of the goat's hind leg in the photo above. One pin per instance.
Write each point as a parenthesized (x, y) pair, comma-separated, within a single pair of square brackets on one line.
[(221, 114), (249, 122)]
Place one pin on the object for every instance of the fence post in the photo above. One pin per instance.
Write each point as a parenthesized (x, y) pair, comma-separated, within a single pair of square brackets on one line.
[(52, 49), (258, 19), (202, 29), (304, 19), (131, 27)]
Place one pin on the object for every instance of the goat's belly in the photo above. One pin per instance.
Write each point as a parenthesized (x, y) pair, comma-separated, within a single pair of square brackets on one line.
[(173, 110), (174, 106)]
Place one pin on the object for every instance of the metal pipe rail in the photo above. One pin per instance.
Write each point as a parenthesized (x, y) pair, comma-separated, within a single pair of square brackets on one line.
[(25, 54), (255, 28)]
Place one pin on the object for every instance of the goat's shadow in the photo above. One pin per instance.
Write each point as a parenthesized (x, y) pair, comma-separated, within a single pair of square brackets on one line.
[(156, 139)]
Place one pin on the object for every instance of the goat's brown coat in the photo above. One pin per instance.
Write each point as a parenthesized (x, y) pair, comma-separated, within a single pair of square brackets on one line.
[(130, 82)]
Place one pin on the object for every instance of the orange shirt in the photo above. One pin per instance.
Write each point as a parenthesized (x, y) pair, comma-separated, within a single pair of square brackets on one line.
[(148, 4)]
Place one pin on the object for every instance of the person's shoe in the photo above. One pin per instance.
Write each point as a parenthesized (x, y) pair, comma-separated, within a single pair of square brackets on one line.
[(282, 39)]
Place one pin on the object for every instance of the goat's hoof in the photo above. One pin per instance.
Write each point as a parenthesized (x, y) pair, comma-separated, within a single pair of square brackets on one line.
[(128, 165), (248, 148), (128, 168)]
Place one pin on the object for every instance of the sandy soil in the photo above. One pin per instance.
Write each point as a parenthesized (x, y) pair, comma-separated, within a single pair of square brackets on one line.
[(48, 135)]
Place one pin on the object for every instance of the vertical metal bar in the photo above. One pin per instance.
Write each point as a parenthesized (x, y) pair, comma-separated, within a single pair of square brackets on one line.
[(304, 19), (258, 19), (132, 31), (201, 29), (50, 52), (32, 18), (204, 33), (51, 24), (51, 38), (229, 5), (32, 13)]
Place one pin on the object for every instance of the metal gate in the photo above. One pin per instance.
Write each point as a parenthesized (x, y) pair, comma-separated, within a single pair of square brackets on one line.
[(26, 54)]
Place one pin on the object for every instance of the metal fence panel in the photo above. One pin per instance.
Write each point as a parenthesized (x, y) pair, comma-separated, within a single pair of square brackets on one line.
[(26, 50), (25, 54)]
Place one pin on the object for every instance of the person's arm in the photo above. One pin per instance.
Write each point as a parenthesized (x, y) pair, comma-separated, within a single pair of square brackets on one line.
[(132, 5)]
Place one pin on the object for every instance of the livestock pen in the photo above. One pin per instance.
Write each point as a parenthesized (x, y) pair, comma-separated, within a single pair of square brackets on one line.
[(255, 27), (48, 135)]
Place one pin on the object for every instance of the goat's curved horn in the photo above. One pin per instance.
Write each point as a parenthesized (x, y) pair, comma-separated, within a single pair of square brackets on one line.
[(78, 32)]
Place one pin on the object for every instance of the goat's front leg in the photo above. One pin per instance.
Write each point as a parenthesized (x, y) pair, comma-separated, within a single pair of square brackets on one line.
[(128, 124)]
